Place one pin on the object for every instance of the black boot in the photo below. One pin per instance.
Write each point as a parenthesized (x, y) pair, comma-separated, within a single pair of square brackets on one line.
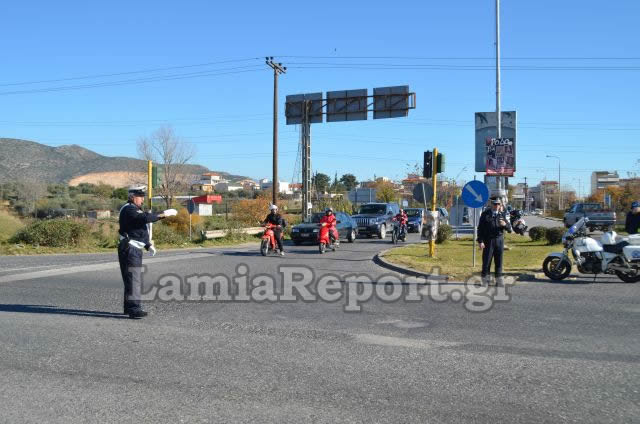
[(137, 313)]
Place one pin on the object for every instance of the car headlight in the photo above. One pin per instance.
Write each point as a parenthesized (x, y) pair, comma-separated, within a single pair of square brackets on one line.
[(295, 230), (315, 230)]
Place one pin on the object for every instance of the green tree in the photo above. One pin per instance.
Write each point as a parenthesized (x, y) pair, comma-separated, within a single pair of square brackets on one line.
[(321, 182), (349, 181), (103, 191), (120, 193), (385, 192)]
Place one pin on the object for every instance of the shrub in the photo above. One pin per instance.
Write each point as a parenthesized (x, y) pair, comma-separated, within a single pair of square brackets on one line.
[(338, 204), (164, 234), (105, 234), (554, 235), (444, 233), (180, 222), (53, 233), (251, 211), (9, 225), (537, 233)]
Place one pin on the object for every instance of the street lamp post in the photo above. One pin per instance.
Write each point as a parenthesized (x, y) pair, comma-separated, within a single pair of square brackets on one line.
[(559, 184)]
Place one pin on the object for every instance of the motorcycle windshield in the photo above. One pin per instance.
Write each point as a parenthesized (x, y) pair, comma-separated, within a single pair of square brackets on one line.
[(575, 227)]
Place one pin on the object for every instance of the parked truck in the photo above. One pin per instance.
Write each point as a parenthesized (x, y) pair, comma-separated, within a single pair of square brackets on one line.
[(599, 217)]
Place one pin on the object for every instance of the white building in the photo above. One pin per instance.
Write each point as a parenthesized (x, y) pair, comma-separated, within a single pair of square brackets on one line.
[(283, 186), (603, 179), (211, 178), (225, 187)]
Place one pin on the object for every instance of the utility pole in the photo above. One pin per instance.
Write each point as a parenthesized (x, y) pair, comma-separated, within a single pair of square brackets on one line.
[(277, 70), (499, 180), (526, 195)]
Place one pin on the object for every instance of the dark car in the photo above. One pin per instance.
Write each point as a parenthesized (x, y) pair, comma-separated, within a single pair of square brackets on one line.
[(375, 219), (416, 219), (308, 231)]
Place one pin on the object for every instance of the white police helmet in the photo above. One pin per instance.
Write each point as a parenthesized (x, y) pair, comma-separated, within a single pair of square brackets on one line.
[(138, 190)]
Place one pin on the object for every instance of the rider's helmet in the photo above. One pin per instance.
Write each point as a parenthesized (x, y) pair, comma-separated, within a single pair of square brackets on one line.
[(329, 209), (401, 210), (273, 208)]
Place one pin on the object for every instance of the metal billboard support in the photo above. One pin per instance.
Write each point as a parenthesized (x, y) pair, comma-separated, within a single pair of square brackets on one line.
[(346, 105), (305, 136)]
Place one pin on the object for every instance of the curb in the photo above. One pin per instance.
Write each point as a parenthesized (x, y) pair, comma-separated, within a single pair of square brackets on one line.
[(378, 260)]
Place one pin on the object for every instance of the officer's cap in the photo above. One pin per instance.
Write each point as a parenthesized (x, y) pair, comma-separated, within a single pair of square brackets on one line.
[(495, 201), (635, 205), (139, 190)]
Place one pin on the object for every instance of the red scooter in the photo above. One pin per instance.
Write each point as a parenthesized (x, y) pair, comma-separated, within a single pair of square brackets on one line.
[(324, 240), (268, 243)]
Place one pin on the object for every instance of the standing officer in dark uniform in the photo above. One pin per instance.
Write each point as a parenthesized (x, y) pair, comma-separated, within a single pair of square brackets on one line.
[(134, 236), (491, 228), (632, 223)]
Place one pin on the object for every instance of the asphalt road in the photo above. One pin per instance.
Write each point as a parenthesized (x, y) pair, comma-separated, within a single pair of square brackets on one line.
[(546, 352)]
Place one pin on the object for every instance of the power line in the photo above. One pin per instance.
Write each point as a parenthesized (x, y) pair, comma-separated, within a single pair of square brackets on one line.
[(235, 70), (129, 72), (468, 57), (443, 67)]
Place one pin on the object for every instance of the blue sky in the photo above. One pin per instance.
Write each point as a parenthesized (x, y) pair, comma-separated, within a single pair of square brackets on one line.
[(586, 111)]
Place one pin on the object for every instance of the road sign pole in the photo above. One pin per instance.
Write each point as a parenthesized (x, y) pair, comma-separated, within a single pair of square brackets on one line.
[(457, 216), (475, 237), (150, 193), (474, 195)]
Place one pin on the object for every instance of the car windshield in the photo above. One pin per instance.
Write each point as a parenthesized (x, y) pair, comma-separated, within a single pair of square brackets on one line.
[(314, 219), (591, 207), (413, 212), (373, 209)]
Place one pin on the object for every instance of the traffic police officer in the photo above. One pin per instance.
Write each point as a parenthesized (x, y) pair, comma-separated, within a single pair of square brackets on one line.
[(491, 228), (632, 223), (134, 236)]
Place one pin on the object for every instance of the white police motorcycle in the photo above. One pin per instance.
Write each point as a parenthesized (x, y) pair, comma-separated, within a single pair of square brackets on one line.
[(611, 255)]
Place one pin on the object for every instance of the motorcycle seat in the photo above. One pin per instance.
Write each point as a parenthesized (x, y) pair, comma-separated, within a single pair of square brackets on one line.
[(615, 248)]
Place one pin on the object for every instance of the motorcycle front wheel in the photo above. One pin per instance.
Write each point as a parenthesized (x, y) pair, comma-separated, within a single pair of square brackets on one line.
[(627, 278), (394, 237), (264, 247), (556, 268)]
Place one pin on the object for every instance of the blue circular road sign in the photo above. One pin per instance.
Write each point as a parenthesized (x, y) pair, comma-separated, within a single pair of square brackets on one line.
[(475, 194)]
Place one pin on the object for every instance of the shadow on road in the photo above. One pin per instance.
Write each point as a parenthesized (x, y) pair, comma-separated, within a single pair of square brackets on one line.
[(50, 309)]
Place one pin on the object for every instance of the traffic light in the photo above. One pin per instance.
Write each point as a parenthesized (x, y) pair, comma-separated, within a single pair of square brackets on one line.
[(440, 163), (427, 168), (154, 176)]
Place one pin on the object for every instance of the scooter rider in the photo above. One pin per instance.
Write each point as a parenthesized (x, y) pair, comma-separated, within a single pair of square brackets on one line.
[(491, 226), (632, 223), (402, 218), (276, 219), (134, 236), (330, 219)]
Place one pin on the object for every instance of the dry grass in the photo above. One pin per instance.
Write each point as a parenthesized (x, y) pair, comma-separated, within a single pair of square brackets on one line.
[(454, 258), (9, 225)]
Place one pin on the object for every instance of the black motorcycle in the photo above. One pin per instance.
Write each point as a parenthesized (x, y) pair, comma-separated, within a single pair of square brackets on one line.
[(399, 232)]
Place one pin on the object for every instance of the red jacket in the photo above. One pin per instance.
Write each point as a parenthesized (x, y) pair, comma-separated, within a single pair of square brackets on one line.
[(402, 218), (329, 219)]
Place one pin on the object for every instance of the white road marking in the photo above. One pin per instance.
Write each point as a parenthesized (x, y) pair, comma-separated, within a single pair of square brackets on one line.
[(94, 267)]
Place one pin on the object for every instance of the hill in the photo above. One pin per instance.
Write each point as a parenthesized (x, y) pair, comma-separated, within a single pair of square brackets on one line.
[(72, 163)]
